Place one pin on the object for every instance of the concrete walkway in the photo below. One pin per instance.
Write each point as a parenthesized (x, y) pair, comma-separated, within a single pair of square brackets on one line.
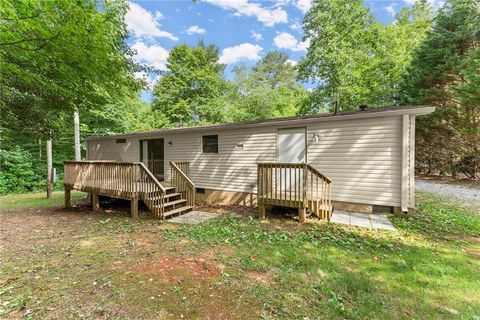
[(357, 219), (193, 217)]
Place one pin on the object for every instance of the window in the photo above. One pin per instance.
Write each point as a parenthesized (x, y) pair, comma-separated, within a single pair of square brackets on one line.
[(210, 144), (121, 140)]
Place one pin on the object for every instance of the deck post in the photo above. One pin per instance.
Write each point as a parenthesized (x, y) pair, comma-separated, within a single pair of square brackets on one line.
[(302, 215), (134, 208), (68, 199), (95, 202), (261, 212)]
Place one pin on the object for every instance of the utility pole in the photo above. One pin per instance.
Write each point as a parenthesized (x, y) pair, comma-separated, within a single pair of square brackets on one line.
[(76, 135), (49, 169)]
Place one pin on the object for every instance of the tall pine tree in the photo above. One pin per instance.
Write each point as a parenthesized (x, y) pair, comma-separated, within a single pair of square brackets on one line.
[(446, 73)]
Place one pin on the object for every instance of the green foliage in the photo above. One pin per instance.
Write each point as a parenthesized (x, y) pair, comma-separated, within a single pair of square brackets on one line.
[(353, 58), (60, 55), (18, 173), (192, 89), (446, 73), (266, 90)]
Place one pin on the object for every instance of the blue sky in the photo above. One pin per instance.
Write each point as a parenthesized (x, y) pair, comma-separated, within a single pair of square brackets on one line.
[(244, 30)]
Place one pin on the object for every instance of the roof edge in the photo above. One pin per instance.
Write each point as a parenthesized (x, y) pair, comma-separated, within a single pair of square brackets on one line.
[(371, 113)]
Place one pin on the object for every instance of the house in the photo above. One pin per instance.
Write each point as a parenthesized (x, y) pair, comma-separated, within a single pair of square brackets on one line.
[(352, 160)]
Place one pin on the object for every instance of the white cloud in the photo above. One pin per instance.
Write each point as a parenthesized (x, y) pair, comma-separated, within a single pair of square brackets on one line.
[(196, 30), (391, 10), (304, 5), (267, 16), (435, 4), (153, 55), (296, 26), (257, 36), (144, 23), (292, 62), (242, 52), (150, 80), (285, 40)]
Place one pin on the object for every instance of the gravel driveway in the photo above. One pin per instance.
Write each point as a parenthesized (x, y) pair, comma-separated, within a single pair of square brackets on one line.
[(460, 192)]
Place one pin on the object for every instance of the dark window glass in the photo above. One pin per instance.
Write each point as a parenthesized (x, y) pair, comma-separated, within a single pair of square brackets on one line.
[(210, 144), (121, 140)]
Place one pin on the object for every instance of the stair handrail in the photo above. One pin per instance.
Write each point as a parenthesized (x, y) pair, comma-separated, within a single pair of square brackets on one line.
[(323, 211), (182, 183), (150, 174), (318, 173)]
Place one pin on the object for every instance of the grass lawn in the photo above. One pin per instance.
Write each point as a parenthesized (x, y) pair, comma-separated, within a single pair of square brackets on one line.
[(35, 200), (70, 264)]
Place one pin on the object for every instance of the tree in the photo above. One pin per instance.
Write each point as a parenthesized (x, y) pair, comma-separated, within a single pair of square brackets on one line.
[(266, 90), (275, 70), (446, 73), (353, 58), (192, 90), (58, 56), (341, 36)]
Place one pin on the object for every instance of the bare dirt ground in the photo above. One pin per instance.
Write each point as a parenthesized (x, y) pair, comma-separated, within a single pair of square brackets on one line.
[(71, 264)]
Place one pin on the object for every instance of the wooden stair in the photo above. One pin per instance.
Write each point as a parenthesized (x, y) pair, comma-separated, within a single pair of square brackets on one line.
[(132, 181), (174, 203)]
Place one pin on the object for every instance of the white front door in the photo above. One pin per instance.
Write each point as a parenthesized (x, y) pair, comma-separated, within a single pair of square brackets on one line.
[(292, 145), (291, 149)]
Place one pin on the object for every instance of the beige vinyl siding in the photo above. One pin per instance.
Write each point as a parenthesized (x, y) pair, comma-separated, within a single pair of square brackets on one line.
[(361, 156), (232, 169), (108, 149)]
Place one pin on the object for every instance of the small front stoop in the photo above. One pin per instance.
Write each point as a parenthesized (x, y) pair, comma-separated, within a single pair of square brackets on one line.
[(173, 203)]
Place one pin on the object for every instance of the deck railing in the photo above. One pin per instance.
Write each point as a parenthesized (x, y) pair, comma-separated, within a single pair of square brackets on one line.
[(127, 180), (296, 185), (179, 179)]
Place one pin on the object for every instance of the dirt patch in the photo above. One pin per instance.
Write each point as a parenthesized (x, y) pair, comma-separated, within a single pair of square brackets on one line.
[(171, 267), (239, 210), (474, 252), (465, 238), (260, 277)]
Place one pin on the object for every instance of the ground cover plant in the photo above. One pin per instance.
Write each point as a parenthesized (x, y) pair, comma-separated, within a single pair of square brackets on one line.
[(61, 264)]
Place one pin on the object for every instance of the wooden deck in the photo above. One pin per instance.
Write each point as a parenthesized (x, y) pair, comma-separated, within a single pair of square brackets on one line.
[(294, 185), (131, 181)]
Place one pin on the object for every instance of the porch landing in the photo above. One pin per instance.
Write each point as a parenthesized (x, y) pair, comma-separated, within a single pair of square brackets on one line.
[(357, 219)]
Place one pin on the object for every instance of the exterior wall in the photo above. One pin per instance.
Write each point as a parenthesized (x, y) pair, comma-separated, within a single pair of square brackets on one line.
[(363, 157), (108, 149)]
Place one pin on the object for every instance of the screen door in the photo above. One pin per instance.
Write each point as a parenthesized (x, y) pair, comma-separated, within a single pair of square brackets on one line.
[(152, 155)]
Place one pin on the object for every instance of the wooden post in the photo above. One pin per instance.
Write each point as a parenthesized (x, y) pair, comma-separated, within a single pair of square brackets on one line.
[(68, 199), (95, 202), (261, 212), (302, 215), (76, 135), (134, 208), (49, 169)]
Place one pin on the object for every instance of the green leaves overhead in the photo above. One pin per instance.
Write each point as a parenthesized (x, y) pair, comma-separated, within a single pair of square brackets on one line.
[(353, 58), (60, 55), (192, 90), (266, 90)]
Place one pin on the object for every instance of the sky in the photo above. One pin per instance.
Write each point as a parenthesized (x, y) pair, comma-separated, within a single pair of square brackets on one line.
[(244, 30)]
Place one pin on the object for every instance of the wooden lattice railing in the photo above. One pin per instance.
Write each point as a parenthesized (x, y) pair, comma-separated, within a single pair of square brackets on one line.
[(127, 180), (296, 185), (179, 179)]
